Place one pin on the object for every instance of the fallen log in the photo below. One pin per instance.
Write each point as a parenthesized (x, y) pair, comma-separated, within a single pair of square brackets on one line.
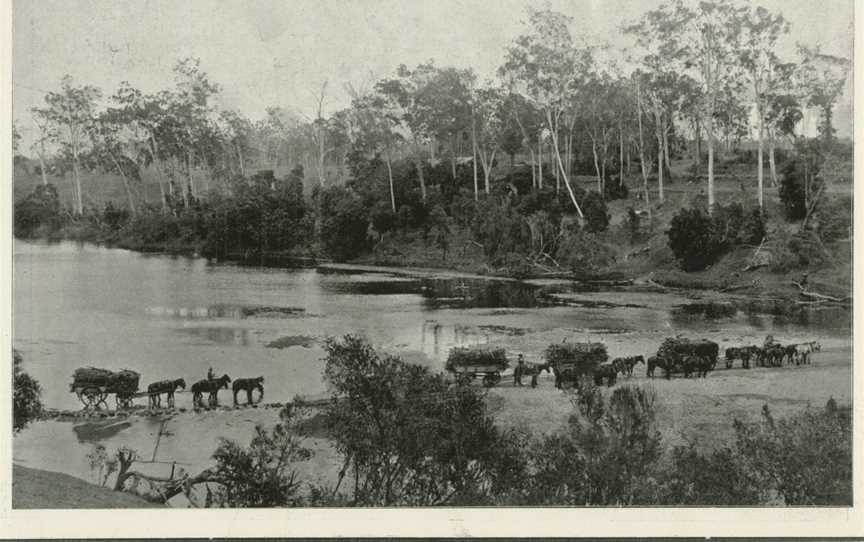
[(815, 295)]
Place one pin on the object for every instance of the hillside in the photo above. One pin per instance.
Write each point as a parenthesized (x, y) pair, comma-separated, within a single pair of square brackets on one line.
[(35, 488)]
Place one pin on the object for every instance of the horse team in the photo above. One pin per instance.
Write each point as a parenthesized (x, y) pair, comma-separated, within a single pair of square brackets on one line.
[(210, 386), (699, 363)]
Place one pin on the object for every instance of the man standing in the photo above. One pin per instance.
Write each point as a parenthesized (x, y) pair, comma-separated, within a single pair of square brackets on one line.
[(517, 373)]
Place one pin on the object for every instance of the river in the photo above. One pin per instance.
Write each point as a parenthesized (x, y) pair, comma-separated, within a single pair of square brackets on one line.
[(174, 317)]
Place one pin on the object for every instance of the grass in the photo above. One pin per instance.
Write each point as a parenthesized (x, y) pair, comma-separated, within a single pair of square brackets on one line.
[(35, 488)]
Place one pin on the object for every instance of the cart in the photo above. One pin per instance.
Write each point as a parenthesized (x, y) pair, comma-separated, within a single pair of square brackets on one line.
[(472, 362), (93, 386), (491, 373)]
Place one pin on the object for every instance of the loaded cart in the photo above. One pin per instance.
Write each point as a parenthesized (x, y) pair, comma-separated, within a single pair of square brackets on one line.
[(93, 386), (570, 362), (471, 362)]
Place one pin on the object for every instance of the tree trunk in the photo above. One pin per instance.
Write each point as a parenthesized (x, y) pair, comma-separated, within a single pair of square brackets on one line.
[(620, 154), (759, 173), (771, 163), (533, 169), (189, 180), (666, 152), (41, 157), (539, 160), (390, 178), (418, 163), (660, 168), (241, 162), (710, 167), (596, 165), (76, 173), (125, 185), (453, 156), (557, 157), (474, 159)]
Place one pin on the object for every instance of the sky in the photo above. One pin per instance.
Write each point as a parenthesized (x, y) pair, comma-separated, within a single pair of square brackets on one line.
[(280, 52)]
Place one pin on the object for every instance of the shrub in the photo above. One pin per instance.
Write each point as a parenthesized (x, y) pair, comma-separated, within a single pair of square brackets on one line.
[(39, 210), (261, 474), (614, 189), (344, 222), (798, 251), (834, 219), (606, 456), (410, 437), (634, 224), (694, 240), (596, 213), (583, 254), (806, 459), (26, 397), (792, 190)]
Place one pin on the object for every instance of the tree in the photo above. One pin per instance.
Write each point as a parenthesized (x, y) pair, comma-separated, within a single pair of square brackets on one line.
[(705, 38), (761, 30), (70, 113), (116, 149), (406, 435), (262, 474), (489, 124), (782, 114), (27, 395), (404, 93), (545, 67), (372, 131), (823, 78)]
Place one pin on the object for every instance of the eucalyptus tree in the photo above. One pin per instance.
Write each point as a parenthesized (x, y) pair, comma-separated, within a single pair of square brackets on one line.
[(546, 67), (444, 104), (782, 114), (373, 131), (761, 30), (117, 149), (44, 137), (703, 40), (529, 121), (285, 127), (490, 117), (822, 78), (70, 113), (403, 93), (598, 102)]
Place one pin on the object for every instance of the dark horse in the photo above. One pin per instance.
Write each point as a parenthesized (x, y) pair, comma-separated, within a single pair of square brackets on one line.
[(210, 386), (248, 384), (156, 389)]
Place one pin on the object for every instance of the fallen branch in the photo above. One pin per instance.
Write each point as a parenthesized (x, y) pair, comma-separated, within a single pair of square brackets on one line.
[(637, 252), (814, 295)]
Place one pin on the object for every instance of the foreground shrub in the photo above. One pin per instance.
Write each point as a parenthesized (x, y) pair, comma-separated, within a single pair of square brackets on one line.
[(263, 473), (407, 436)]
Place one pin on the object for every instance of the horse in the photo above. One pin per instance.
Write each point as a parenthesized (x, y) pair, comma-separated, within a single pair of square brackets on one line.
[(156, 389), (248, 384), (625, 365), (212, 387), (608, 371), (533, 370), (653, 363)]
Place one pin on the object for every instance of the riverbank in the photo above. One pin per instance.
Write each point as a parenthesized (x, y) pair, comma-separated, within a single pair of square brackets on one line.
[(689, 410), (36, 488)]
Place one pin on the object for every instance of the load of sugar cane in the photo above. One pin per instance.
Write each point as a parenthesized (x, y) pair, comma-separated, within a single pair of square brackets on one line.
[(124, 381), (674, 348), (477, 356), (582, 358)]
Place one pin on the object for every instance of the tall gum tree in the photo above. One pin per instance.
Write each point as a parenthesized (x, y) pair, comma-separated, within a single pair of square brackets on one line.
[(761, 30), (545, 67), (70, 113)]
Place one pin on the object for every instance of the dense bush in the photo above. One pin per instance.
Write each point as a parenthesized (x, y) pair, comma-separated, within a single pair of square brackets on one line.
[(263, 473), (408, 436), (26, 397), (344, 222), (39, 210), (792, 190), (797, 251), (583, 254), (694, 239), (614, 189), (596, 213)]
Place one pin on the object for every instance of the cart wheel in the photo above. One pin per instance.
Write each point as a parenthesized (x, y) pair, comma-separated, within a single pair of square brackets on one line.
[(91, 397), (491, 379)]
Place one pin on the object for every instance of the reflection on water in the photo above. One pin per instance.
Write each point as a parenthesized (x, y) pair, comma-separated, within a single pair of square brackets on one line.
[(172, 317)]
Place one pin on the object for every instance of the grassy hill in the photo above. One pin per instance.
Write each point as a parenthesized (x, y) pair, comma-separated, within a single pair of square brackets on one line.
[(35, 488)]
